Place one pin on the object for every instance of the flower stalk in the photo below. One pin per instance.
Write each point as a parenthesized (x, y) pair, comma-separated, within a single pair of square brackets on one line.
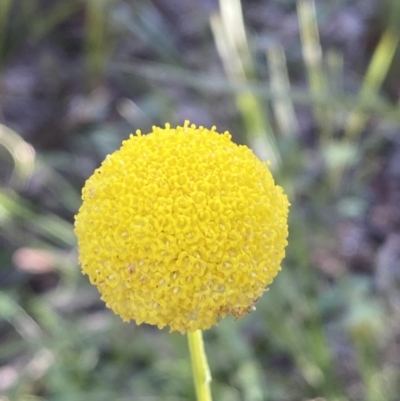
[(201, 371)]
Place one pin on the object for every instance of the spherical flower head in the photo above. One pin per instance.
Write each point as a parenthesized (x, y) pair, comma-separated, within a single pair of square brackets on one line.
[(181, 227)]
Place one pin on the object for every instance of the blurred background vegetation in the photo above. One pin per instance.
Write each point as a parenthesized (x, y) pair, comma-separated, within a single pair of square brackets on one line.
[(312, 87)]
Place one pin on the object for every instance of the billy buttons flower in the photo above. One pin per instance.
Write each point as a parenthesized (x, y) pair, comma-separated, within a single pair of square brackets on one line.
[(181, 227)]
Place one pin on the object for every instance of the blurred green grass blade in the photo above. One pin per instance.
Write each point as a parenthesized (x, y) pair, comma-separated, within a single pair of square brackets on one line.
[(292, 338), (232, 43), (282, 104), (51, 176), (19, 319), (43, 23), (143, 21), (365, 325), (207, 83), (335, 77), (302, 331), (22, 153), (369, 94), (373, 80), (249, 372), (312, 55), (249, 375), (94, 38), (50, 226), (96, 43), (335, 64), (238, 63), (5, 8), (258, 131), (367, 355), (308, 347)]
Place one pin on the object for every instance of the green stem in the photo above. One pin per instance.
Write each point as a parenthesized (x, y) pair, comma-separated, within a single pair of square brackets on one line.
[(201, 371)]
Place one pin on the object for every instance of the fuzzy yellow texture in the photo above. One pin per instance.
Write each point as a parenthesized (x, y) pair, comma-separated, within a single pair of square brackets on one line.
[(181, 227)]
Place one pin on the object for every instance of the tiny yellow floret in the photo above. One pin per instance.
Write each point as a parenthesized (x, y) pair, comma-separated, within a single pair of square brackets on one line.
[(181, 227)]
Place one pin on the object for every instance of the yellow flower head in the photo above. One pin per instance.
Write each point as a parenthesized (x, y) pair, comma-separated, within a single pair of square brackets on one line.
[(181, 227)]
